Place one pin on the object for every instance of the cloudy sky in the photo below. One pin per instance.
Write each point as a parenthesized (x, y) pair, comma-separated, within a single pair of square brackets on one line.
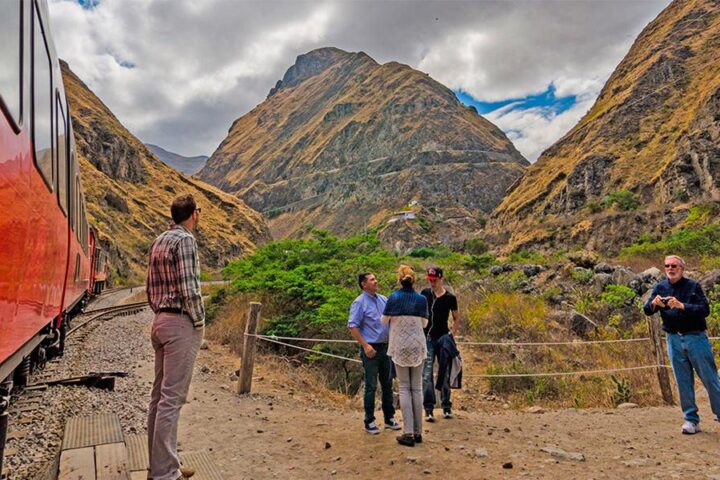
[(178, 72)]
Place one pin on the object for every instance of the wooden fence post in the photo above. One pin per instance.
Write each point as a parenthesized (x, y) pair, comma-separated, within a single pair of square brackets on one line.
[(661, 359), (248, 357)]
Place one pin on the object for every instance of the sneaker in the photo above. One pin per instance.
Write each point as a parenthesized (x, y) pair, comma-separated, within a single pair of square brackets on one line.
[(447, 413), (392, 424), (186, 472), (372, 428), (429, 416), (406, 439), (690, 428), (418, 438)]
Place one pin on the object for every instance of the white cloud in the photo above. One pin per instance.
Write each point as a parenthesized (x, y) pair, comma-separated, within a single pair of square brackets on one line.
[(199, 65)]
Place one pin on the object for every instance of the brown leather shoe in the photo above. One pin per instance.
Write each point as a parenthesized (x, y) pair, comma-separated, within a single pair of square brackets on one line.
[(186, 472)]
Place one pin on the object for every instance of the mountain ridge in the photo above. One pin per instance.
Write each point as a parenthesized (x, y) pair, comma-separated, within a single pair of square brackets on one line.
[(341, 133), (129, 191), (652, 135)]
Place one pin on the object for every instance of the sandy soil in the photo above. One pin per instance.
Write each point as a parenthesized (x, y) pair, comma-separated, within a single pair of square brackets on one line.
[(289, 429)]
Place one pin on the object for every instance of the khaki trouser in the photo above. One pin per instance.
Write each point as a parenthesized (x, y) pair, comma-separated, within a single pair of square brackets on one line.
[(176, 345)]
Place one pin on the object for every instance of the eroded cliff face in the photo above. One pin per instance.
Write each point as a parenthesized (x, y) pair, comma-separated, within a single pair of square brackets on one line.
[(654, 130), (129, 192), (343, 143)]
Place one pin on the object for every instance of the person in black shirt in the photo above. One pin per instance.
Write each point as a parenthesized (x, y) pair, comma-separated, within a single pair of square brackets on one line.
[(683, 309), (440, 304)]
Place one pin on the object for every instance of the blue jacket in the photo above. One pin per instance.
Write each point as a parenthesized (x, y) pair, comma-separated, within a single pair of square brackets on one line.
[(689, 292), (406, 301)]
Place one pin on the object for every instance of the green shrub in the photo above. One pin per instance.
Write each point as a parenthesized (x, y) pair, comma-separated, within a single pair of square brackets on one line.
[(702, 214), (582, 275), (438, 251), (479, 262), (624, 200), (618, 296), (475, 246), (424, 224), (512, 315), (526, 256), (690, 242)]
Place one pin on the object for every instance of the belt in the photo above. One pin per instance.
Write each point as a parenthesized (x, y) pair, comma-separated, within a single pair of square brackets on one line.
[(694, 332), (178, 311)]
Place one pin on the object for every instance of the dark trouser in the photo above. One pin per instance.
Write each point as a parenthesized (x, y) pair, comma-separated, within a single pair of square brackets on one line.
[(433, 352), (378, 366)]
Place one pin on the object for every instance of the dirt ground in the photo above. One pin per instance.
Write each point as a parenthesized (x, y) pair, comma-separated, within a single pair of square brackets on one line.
[(289, 428)]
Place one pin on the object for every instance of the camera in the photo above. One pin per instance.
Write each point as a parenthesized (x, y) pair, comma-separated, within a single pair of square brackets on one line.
[(665, 300)]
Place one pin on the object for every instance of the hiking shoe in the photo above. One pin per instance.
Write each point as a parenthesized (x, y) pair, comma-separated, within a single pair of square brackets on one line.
[(406, 439), (372, 428), (447, 413), (418, 438), (186, 472), (690, 428), (392, 424), (429, 417)]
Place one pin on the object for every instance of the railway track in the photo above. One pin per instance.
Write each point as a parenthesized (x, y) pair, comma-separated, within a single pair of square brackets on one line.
[(108, 313), (38, 411)]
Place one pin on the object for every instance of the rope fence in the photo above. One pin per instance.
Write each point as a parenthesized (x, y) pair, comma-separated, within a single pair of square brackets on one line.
[(277, 340)]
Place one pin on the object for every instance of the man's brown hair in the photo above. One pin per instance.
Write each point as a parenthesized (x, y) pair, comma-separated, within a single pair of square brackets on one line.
[(182, 208)]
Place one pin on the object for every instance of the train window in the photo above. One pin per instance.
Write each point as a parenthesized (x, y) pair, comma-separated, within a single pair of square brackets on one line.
[(11, 57), (42, 103), (71, 190), (62, 157)]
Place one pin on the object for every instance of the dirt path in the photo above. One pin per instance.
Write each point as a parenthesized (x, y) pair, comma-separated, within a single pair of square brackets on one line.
[(290, 429)]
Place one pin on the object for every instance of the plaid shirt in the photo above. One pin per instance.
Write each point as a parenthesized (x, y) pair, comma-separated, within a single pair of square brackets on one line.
[(173, 279)]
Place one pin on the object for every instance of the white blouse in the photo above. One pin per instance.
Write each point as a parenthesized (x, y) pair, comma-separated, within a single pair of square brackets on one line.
[(407, 345)]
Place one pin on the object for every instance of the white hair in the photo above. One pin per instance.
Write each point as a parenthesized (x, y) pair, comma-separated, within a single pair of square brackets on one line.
[(682, 262)]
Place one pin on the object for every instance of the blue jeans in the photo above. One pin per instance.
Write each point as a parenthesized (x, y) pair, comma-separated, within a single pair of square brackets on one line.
[(380, 366), (433, 352), (691, 353)]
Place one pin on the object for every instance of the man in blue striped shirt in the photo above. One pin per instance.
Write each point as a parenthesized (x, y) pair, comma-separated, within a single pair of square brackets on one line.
[(367, 328)]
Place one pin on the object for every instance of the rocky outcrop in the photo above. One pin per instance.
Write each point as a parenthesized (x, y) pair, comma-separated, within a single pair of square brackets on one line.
[(344, 143), (129, 192), (653, 135)]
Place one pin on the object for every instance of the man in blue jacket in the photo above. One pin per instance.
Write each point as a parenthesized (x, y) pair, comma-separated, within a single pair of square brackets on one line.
[(683, 308)]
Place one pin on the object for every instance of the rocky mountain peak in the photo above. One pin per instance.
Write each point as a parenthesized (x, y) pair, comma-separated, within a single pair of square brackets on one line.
[(315, 62), (345, 143)]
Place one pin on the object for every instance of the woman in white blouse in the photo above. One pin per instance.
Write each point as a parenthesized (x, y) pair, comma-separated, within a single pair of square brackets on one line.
[(406, 311)]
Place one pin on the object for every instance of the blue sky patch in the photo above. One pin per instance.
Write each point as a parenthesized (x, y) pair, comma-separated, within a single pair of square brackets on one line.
[(546, 100), (89, 4)]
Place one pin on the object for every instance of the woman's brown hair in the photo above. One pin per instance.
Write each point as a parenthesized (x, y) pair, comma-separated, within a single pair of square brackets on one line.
[(406, 275)]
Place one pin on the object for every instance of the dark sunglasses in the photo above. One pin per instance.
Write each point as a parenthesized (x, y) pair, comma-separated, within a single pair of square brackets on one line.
[(672, 266)]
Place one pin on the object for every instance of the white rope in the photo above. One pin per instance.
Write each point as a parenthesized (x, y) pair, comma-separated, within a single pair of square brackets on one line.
[(499, 344), (563, 374), (268, 339), (327, 340), (529, 344)]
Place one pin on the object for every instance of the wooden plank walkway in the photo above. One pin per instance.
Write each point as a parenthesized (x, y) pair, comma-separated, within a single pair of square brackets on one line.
[(94, 448)]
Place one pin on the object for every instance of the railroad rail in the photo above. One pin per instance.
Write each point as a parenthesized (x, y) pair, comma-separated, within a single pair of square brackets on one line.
[(109, 312)]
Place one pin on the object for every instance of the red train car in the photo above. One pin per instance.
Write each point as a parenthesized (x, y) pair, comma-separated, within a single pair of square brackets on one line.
[(46, 259)]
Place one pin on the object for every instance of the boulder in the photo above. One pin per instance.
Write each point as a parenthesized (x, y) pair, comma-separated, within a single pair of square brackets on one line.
[(581, 325), (531, 270), (496, 270), (603, 267), (623, 276), (652, 275), (583, 258), (599, 281), (709, 280)]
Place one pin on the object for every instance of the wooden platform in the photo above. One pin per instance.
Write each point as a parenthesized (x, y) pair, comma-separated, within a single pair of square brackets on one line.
[(94, 448)]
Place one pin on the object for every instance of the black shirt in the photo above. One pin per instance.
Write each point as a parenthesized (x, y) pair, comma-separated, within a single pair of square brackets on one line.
[(674, 320), (439, 309)]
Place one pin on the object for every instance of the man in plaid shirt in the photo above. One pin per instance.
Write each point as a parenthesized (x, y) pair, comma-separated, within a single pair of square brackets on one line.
[(173, 291)]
